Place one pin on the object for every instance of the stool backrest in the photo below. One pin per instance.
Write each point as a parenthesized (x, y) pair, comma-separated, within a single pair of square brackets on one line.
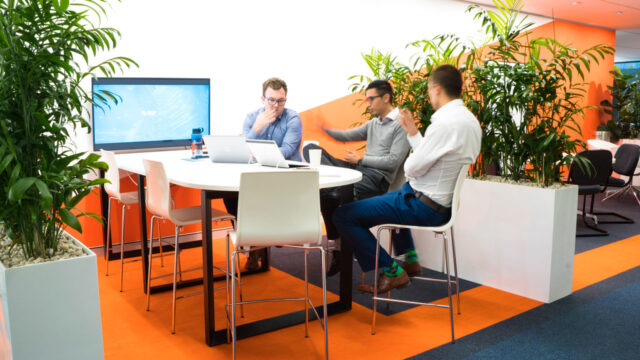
[(113, 174), (158, 189), (455, 202), (279, 208)]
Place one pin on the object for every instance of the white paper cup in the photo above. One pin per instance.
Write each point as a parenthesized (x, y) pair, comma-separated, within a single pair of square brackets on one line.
[(314, 157)]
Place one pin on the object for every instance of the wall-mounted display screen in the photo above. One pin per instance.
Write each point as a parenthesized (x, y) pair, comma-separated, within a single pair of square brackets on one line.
[(139, 113)]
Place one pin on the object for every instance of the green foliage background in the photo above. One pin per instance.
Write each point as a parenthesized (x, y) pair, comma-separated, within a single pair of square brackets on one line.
[(625, 107)]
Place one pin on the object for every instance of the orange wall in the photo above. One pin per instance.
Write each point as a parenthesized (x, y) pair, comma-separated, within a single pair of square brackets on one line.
[(342, 113), (582, 37)]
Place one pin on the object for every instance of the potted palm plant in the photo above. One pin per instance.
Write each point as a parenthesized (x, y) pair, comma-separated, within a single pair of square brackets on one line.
[(48, 281), (515, 232)]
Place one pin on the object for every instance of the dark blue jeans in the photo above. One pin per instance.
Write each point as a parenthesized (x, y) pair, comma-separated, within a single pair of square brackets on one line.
[(353, 221)]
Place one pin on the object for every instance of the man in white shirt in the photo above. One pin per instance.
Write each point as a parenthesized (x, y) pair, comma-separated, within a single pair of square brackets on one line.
[(450, 142)]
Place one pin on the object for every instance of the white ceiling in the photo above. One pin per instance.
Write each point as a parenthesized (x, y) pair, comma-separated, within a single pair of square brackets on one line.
[(623, 16)]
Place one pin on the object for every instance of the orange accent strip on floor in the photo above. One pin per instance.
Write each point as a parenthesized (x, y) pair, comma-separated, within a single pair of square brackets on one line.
[(132, 333), (590, 267)]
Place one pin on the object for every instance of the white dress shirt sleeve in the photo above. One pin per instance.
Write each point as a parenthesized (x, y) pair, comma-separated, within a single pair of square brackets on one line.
[(437, 142)]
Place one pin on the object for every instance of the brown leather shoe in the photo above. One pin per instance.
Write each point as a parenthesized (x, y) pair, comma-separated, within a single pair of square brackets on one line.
[(412, 268), (386, 283), (252, 263)]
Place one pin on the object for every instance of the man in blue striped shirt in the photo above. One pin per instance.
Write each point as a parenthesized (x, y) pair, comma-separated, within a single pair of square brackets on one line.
[(274, 121), (271, 122)]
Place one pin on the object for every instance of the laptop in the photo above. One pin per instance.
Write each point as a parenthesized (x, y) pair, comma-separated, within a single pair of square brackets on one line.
[(267, 153), (227, 149)]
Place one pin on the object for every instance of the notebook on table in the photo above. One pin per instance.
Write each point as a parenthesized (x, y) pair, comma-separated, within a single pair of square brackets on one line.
[(267, 153), (227, 149)]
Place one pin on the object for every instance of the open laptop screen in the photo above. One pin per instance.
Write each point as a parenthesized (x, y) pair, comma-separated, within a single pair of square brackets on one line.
[(268, 153), (227, 149)]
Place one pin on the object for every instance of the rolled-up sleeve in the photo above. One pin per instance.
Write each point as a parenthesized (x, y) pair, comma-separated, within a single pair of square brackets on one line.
[(247, 126), (290, 147)]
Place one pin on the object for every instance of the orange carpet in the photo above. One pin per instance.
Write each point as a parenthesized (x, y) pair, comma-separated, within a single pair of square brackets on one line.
[(130, 332)]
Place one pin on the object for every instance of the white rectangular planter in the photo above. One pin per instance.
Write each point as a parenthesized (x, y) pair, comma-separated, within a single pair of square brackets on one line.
[(515, 238), (51, 310)]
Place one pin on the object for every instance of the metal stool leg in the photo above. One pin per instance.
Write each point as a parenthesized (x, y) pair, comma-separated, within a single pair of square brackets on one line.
[(160, 243), (390, 253), (153, 218), (122, 248), (108, 249), (306, 296), (227, 289), (175, 283), (375, 283), (455, 270), (233, 224), (240, 288), (233, 304), (444, 241), (324, 306), (177, 249)]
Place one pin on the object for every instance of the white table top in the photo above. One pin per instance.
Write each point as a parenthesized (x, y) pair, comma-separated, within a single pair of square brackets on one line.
[(206, 175), (595, 144)]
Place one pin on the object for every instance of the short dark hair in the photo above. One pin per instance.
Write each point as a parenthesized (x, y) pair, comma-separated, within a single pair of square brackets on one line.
[(449, 78), (275, 84), (382, 87)]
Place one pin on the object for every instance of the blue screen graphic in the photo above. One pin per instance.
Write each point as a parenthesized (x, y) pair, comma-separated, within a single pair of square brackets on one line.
[(150, 113)]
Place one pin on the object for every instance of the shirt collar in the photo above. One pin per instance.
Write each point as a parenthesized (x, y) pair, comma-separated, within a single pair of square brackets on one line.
[(392, 115), (450, 105)]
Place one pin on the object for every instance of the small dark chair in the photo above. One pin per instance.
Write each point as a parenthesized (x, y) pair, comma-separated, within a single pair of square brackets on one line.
[(591, 183), (626, 162)]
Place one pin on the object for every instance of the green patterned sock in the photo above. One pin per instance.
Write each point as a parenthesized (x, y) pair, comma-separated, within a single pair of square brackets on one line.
[(411, 256), (393, 270)]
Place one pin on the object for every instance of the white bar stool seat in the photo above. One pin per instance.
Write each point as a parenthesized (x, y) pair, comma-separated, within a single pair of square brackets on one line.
[(280, 208), (442, 232), (159, 204)]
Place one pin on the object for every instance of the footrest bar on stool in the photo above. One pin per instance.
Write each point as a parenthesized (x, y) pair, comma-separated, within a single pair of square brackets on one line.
[(189, 295), (410, 302), (432, 279)]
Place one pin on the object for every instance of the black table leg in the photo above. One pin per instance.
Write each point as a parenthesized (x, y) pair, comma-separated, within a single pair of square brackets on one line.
[(207, 268), (104, 208), (346, 274), (144, 245)]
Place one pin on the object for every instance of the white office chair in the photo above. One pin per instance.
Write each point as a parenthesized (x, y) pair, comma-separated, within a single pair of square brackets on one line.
[(159, 205), (439, 230), (127, 199), (280, 208)]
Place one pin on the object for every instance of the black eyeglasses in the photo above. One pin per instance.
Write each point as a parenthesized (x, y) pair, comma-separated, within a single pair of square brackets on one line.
[(276, 101), (371, 98)]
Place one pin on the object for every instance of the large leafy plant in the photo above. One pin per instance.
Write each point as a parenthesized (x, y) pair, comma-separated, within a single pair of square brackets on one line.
[(410, 81), (526, 93), (625, 108), (45, 46)]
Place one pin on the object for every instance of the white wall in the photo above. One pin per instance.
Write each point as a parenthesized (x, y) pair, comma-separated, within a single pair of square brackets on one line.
[(313, 45)]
